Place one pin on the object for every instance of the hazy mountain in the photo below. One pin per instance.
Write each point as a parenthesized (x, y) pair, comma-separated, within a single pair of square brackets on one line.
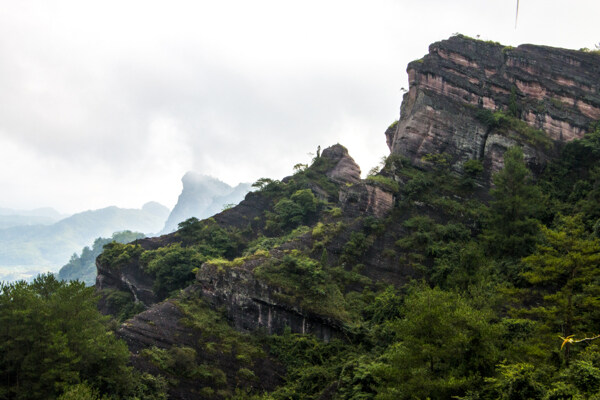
[(29, 249), (40, 216), (48, 212), (203, 196)]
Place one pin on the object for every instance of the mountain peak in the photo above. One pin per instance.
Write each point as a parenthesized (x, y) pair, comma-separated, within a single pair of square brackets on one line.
[(203, 196), (346, 170), (472, 99)]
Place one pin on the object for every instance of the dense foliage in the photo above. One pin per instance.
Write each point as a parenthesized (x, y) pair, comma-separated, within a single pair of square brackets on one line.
[(488, 282), (55, 344), (499, 286)]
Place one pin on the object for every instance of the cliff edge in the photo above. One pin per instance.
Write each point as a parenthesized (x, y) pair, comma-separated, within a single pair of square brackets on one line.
[(461, 90)]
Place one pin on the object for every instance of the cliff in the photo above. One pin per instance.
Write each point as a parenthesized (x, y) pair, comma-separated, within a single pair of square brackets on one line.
[(322, 251), (552, 90), (338, 179)]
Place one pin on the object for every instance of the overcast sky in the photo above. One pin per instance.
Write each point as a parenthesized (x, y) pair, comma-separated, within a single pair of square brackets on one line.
[(111, 102)]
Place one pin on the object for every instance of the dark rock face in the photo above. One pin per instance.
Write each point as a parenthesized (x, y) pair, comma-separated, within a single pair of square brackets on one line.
[(240, 216), (365, 198), (345, 170), (142, 332), (163, 326), (251, 304), (555, 90), (129, 278)]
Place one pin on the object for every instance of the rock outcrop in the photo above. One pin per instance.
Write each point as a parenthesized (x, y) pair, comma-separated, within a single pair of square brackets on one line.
[(166, 327), (337, 165), (468, 99), (252, 304), (554, 90), (130, 279), (365, 198), (345, 169)]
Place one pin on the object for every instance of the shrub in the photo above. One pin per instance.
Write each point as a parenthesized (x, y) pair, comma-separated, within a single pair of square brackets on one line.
[(117, 255), (172, 266), (386, 183), (473, 167)]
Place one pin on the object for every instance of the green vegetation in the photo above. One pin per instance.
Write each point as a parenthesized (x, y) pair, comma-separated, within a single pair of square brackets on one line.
[(386, 183), (124, 302), (289, 213), (55, 343), (595, 50), (209, 238), (264, 244), (173, 267), (305, 283), (512, 226), (517, 128), (117, 255), (500, 286), (447, 296), (83, 267), (217, 346)]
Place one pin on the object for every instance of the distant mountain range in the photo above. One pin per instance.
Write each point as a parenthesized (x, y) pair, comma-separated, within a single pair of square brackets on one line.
[(203, 196), (40, 216), (34, 241), (28, 249)]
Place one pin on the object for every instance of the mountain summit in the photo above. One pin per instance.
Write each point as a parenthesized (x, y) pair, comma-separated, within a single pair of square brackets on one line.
[(472, 99), (201, 197)]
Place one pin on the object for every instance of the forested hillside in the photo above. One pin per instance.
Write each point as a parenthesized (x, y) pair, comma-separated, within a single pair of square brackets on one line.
[(466, 265)]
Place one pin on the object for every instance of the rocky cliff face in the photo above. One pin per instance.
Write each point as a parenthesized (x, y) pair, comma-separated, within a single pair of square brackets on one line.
[(252, 304), (216, 360), (345, 169), (468, 100), (553, 90)]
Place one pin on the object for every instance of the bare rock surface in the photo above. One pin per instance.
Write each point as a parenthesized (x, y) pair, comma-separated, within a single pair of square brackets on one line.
[(555, 90), (163, 326), (365, 198), (345, 170)]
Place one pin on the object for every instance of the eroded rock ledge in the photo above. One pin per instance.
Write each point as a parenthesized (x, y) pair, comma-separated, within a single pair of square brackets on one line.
[(251, 304)]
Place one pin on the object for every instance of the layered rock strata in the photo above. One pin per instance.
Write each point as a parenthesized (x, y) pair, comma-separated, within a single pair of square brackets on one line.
[(554, 90), (252, 304)]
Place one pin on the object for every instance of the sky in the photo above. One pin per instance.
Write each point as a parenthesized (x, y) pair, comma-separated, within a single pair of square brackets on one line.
[(111, 102)]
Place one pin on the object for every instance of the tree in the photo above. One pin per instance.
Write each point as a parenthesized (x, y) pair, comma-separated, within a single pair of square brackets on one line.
[(511, 229), (173, 267), (447, 346), (52, 337), (289, 213), (564, 271), (262, 183)]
